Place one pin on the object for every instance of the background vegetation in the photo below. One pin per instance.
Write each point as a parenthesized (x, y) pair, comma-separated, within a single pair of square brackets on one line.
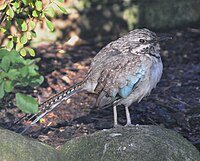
[(18, 21)]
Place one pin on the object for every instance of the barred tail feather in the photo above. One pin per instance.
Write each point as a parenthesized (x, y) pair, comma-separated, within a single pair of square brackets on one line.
[(52, 103)]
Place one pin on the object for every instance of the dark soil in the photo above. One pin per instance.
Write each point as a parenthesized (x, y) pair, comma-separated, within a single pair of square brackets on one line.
[(174, 104)]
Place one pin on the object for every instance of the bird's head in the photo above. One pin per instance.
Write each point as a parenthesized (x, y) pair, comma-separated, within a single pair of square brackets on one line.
[(144, 41)]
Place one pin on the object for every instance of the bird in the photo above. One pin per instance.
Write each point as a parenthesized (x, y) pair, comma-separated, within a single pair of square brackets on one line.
[(123, 72)]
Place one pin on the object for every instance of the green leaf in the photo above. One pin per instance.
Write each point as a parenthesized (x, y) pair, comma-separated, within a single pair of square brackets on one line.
[(3, 6), (19, 46), (33, 61), (32, 23), (26, 103), (2, 90), (5, 63), (13, 74), (62, 9), (21, 24), (8, 24), (16, 4), (10, 12), (50, 11), (15, 38), (10, 44), (24, 38), (22, 83), (38, 5), (35, 13), (33, 33), (23, 52), (31, 3), (11, 54), (31, 51), (36, 80), (8, 87), (3, 29), (25, 2), (31, 71), (4, 52), (24, 71), (49, 25), (3, 75), (62, 1)]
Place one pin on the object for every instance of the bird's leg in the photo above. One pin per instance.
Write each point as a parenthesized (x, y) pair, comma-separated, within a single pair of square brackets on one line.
[(128, 117), (115, 114)]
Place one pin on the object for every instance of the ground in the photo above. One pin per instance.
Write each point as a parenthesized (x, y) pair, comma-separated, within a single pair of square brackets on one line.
[(174, 104)]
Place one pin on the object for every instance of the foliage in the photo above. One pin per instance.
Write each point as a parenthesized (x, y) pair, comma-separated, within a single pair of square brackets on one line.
[(17, 72), (111, 19), (22, 16), (18, 20)]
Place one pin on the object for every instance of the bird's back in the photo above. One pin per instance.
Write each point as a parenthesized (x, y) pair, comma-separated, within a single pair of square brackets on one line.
[(107, 61)]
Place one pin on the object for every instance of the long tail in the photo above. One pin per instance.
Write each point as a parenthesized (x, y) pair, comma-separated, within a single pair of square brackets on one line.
[(51, 103)]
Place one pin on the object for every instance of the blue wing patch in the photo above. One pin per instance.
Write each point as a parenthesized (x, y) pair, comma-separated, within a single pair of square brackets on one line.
[(132, 82)]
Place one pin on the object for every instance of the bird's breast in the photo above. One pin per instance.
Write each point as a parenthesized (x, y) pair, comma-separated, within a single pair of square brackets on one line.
[(156, 72)]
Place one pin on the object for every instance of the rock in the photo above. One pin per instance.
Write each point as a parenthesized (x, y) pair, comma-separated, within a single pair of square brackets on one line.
[(136, 143), (15, 147)]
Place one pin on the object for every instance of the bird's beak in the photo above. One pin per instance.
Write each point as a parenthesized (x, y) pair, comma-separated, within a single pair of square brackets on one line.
[(164, 38)]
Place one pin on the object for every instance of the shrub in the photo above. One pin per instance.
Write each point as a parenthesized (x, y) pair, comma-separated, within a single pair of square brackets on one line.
[(22, 16), (15, 72)]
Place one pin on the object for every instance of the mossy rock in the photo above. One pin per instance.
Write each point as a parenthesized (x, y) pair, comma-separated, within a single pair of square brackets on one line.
[(15, 147), (169, 14), (136, 143)]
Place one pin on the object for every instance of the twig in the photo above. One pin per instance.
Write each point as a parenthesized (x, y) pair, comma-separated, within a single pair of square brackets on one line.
[(176, 99)]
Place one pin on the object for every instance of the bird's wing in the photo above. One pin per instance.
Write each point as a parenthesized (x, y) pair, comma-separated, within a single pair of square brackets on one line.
[(119, 78), (113, 49)]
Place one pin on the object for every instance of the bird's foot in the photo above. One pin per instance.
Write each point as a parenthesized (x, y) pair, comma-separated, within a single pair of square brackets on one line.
[(117, 126), (129, 125)]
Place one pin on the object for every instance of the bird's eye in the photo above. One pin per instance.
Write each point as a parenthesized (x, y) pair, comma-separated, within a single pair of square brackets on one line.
[(142, 41)]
